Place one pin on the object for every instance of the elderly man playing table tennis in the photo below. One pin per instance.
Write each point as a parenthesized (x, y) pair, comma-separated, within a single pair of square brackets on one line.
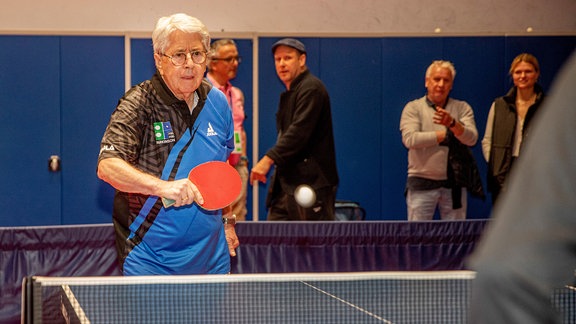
[(160, 130)]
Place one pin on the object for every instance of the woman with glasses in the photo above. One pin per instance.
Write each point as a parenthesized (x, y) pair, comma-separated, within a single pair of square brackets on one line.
[(160, 130)]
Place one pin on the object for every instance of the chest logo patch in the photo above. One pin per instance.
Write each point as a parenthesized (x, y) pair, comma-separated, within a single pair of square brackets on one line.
[(163, 132), (210, 131)]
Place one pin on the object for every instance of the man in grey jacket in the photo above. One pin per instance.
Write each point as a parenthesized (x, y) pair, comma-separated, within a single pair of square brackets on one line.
[(427, 124)]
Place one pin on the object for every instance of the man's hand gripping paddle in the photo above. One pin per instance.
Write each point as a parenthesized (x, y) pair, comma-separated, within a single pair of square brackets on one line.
[(218, 182)]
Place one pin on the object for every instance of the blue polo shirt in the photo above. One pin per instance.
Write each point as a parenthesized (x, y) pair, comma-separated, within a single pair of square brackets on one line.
[(154, 131)]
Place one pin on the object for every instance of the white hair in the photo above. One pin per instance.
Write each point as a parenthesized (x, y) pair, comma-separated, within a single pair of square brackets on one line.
[(441, 65), (182, 22)]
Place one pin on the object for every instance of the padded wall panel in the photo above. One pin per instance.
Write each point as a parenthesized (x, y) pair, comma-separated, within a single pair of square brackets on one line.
[(30, 115), (92, 79), (351, 70), (57, 100), (141, 60)]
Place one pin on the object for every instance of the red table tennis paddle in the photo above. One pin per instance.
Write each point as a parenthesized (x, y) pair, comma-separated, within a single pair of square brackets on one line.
[(218, 182)]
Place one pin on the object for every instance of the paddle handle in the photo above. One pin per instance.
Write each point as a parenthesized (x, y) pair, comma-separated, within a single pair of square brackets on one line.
[(167, 202)]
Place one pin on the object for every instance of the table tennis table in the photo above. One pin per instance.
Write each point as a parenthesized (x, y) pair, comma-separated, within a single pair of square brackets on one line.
[(415, 297)]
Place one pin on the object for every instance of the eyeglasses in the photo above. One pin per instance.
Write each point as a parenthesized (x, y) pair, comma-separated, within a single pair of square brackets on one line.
[(228, 59), (179, 58)]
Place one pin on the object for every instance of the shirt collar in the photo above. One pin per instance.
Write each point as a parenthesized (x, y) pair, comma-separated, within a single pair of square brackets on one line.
[(433, 106), (169, 98)]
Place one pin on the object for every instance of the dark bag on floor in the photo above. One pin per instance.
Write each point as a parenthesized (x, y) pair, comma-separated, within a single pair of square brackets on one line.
[(349, 211)]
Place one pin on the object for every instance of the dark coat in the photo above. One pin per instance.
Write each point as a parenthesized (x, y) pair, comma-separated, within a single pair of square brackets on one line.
[(462, 169), (304, 152), (503, 132)]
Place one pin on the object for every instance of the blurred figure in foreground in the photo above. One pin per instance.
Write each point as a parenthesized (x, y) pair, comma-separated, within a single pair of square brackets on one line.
[(530, 248)]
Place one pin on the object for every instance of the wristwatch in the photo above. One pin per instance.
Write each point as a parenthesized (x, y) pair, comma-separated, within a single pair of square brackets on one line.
[(229, 220)]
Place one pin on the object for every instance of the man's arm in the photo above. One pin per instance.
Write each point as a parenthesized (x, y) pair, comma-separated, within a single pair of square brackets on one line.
[(125, 177), (465, 127), (412, 128), (261, 169)]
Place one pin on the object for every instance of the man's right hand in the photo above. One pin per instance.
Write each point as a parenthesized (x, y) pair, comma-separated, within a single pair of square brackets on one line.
[(182, 191), (261, 169)]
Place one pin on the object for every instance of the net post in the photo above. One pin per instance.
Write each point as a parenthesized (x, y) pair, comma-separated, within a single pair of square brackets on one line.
[(27, 314)]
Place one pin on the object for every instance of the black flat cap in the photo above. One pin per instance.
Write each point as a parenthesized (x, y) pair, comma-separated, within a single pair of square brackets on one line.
[(291, 42)]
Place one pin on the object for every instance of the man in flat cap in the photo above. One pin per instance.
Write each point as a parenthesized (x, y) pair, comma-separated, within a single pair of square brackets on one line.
[(304, 152)]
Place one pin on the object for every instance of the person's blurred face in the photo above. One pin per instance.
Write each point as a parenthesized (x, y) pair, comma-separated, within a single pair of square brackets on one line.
[(289, 64), (225, 63), (182, 80), (524, 75), (439, 85)]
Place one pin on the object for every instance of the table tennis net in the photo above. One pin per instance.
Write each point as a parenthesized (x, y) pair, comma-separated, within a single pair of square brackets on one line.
[(371, 297)]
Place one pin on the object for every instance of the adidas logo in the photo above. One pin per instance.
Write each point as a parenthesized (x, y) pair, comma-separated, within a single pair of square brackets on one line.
[(211, 131)]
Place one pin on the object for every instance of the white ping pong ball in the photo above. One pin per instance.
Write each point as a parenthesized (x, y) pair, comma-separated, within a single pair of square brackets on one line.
[(305, 196)]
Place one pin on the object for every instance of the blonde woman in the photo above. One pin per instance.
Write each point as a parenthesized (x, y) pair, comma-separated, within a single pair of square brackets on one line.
[(508, 121)]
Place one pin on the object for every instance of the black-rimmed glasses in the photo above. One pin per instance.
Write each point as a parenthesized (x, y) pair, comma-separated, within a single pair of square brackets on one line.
[(228, 60), (179, 58)]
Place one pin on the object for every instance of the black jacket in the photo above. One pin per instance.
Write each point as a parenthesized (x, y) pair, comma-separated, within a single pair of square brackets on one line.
[(462, 170), (304, 152)]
